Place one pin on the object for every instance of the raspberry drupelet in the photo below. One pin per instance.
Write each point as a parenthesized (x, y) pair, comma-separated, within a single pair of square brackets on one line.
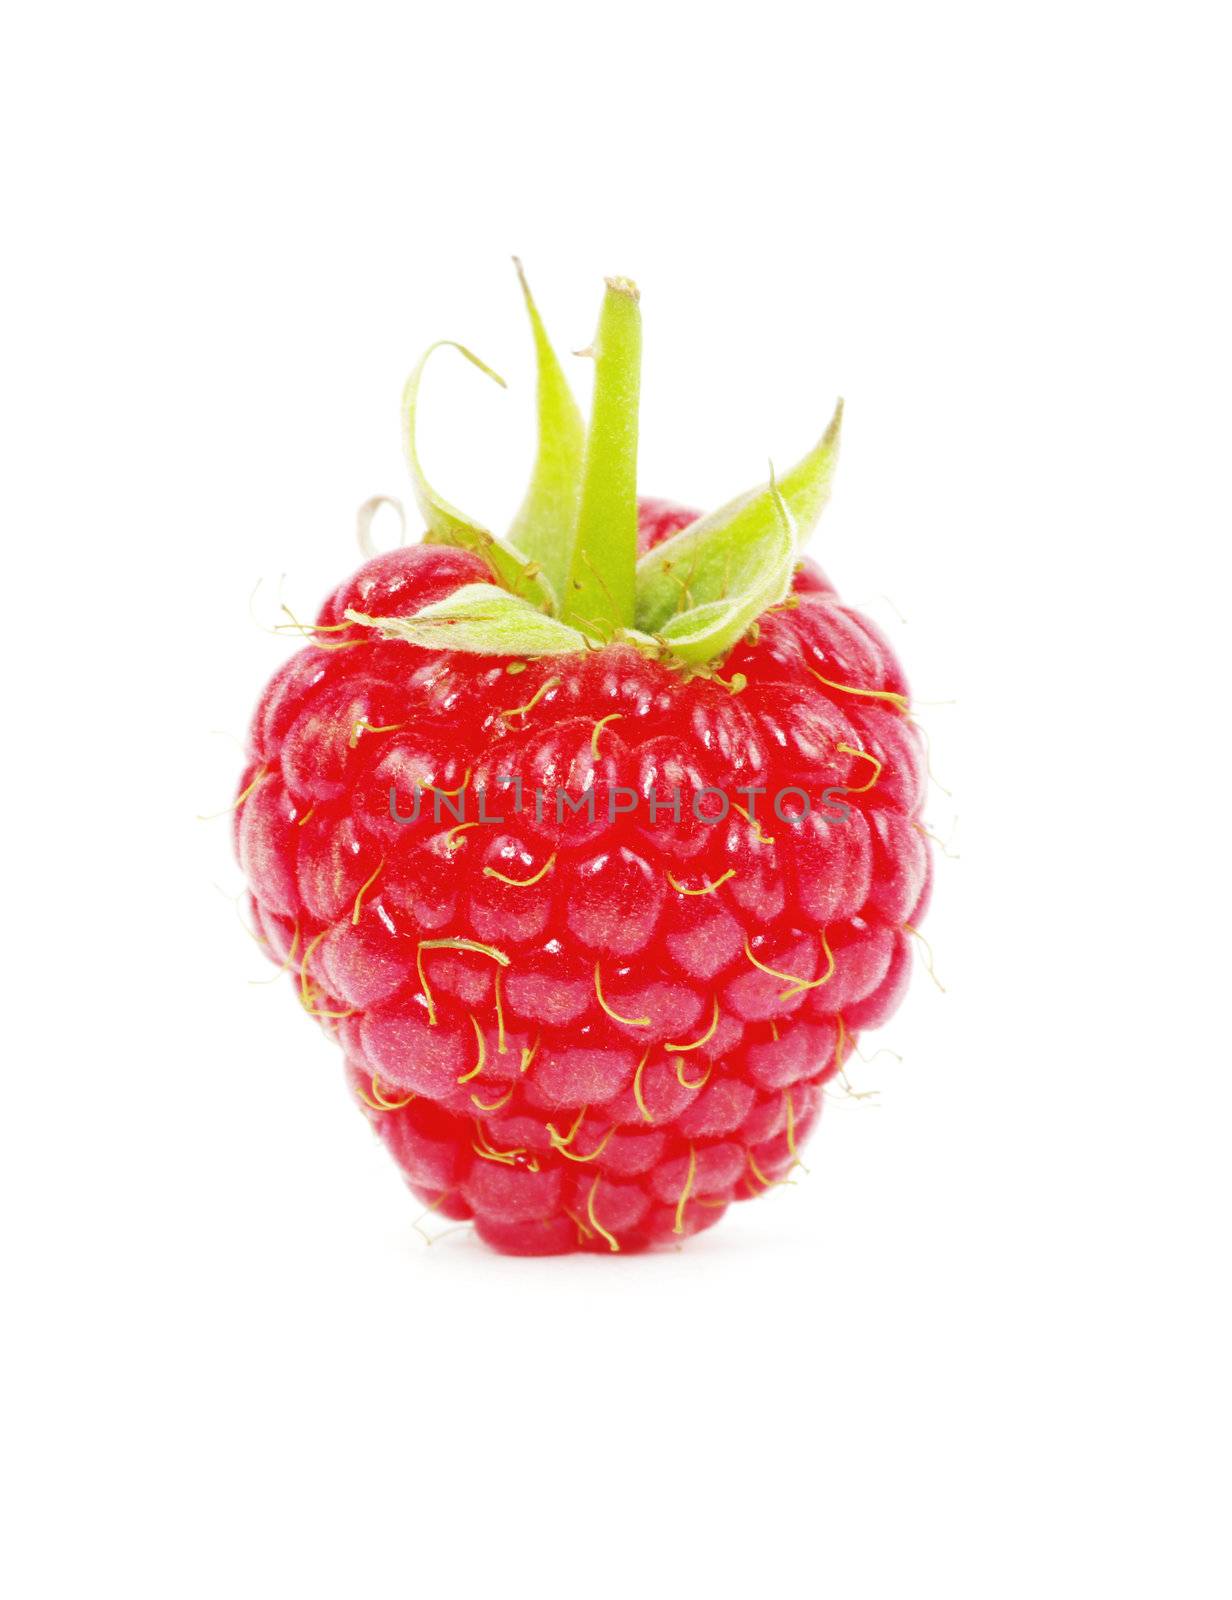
[(593, 911)]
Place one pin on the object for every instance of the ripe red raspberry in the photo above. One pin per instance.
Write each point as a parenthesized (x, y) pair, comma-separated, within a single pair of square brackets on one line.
[(590, 1029)]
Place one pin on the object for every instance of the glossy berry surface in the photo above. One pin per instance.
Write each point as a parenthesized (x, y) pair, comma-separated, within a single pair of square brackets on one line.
[(586, 1033)]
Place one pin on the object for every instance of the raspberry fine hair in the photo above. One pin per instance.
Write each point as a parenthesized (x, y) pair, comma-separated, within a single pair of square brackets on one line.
[(595, 847)]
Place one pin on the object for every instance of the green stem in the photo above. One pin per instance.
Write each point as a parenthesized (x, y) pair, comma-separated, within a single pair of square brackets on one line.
[(600, 595)]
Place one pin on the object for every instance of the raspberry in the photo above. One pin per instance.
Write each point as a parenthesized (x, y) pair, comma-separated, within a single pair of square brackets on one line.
[(590, 1023)]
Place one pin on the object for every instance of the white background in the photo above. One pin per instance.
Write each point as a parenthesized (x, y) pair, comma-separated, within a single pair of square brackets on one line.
[(981, 1350)]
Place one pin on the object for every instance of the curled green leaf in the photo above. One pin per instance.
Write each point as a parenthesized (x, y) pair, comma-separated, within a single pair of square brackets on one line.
[(757, 574), (446, 524), (699, 564), (547, 520), (482, 619)]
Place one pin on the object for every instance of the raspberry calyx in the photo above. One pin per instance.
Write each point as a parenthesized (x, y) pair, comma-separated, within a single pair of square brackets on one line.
[(567, 577)]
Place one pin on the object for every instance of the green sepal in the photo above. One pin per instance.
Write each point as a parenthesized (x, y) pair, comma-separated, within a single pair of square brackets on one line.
[(545, 525), (483, 619), (600, 594), (445, 523), (760, 561), (700, 564)]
